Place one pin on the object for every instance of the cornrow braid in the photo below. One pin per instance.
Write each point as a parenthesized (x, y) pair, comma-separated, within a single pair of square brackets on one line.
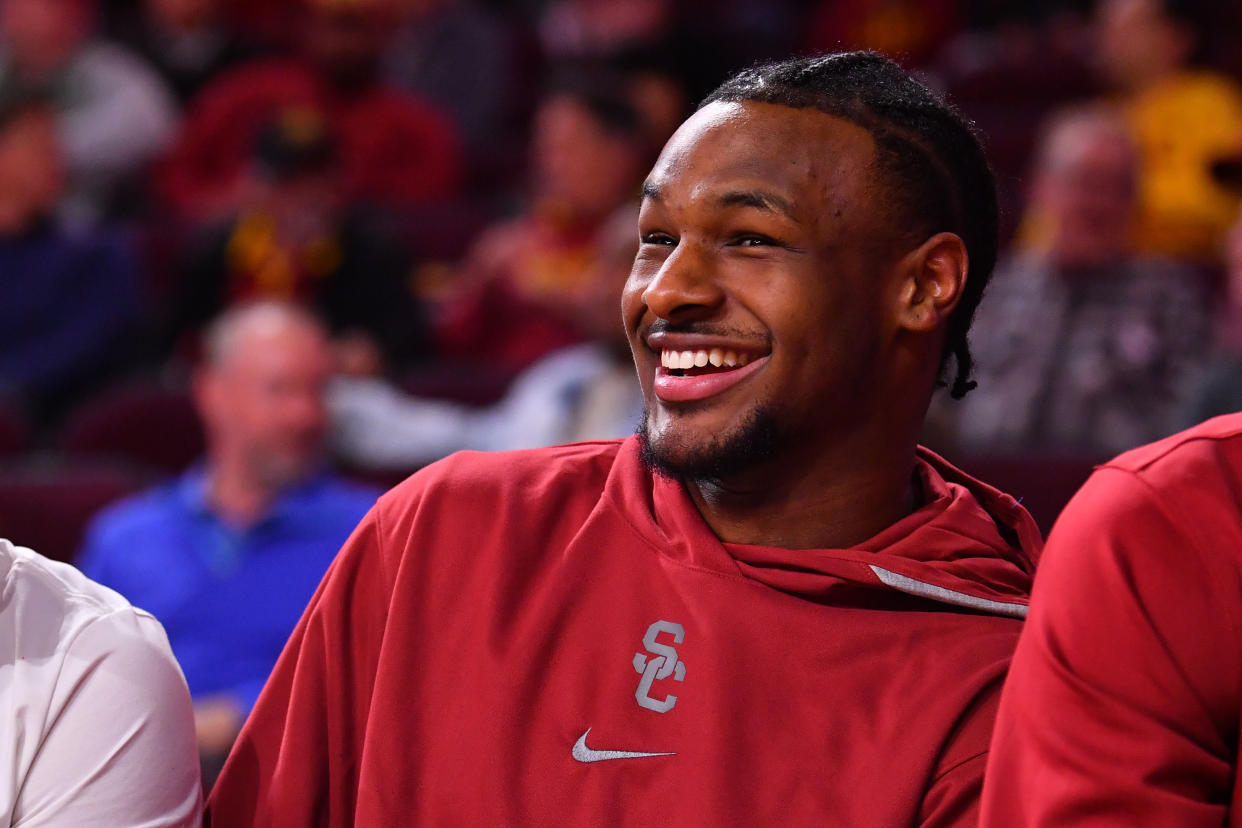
[(939, 177)]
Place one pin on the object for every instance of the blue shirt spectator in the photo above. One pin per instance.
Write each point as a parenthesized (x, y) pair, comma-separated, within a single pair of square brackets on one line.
[(228, 557), (228, 597)]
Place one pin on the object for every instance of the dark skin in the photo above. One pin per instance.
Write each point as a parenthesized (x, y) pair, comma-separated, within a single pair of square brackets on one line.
[(764, 230)]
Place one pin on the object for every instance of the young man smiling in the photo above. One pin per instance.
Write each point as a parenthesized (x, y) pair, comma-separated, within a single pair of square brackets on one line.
[(767, 607)]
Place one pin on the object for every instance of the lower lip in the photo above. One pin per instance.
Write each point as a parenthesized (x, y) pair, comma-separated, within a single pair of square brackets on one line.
[(670, 388)]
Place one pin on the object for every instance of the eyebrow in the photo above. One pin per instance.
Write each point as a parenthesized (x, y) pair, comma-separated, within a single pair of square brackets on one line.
[(756, 199)]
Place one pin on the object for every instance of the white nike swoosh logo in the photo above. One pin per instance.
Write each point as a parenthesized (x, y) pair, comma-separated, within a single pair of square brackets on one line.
[(585, 754)]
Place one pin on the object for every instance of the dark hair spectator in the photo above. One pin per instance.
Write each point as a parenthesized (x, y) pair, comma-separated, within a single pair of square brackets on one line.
[(71, 295), (517, 296), (189, 42), (295, 237), (114, 113), (486, 95), (395, 149)]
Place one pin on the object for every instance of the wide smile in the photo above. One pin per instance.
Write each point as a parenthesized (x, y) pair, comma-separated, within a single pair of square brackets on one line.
[(696, 374)]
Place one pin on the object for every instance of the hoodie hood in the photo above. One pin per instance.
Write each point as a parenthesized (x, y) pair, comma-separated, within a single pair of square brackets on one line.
[(969, 545)]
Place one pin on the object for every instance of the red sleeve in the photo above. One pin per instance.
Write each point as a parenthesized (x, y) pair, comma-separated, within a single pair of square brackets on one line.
[(296, 760), (1122, 702)]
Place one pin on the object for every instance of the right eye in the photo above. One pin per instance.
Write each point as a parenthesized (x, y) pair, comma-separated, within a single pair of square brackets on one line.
[(658, 238)]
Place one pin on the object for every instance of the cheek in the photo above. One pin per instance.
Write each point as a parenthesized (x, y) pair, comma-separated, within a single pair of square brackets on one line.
[(632, 305)]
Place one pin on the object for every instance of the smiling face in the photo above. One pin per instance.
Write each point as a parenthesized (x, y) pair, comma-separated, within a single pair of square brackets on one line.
[(757, 305)]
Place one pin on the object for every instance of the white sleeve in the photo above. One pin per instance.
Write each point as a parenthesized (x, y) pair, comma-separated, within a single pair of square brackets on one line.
[(376, 426), (119, 749)]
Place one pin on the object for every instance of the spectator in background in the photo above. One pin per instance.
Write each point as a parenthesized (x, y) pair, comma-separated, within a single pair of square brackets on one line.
[(581, 392), (70, 294), (114, 113), (395, 149), (296, 238), (658, 90), (1182, 117), (576, 29), (912, 30), (1084, 344), (1218, 387), (187, 41), (461, 56), (522, 280), (227, 556)]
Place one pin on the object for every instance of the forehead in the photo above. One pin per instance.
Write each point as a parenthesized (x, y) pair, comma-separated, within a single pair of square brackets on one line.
[(813, 159)]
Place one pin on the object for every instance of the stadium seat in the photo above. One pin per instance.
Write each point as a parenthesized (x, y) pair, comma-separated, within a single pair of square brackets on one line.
[(48, 508), (145, 424), (1043, 483), (14, 430)]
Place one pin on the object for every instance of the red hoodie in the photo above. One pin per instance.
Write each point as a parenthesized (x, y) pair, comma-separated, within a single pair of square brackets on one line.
[(555, 637), (1125, 700)]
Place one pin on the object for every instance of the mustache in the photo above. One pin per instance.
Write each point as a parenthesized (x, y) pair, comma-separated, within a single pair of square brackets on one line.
[(664, 326)]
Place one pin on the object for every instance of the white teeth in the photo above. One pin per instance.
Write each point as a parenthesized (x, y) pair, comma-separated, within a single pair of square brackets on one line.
[(720, 358)]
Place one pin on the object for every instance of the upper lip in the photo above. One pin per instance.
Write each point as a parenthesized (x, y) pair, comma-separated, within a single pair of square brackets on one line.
[(662, 341)]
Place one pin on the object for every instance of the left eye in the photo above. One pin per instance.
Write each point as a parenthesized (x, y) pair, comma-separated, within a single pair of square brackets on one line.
[(753, 241)]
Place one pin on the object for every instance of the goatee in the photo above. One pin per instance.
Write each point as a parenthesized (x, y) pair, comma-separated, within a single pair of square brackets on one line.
[(751, 443)]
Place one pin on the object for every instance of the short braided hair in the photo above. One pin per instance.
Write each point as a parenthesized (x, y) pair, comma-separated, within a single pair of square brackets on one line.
[(939, 177)]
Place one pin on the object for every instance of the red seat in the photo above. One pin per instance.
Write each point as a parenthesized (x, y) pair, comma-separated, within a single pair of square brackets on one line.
[(1043, 483), (145, 424), (48, 509), (14, 430)]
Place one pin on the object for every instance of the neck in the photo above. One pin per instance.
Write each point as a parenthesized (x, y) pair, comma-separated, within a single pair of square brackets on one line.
[(833, 502), (236, 495)]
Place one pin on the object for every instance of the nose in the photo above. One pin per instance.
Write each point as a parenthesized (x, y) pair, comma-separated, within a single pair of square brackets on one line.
[(685, 287)]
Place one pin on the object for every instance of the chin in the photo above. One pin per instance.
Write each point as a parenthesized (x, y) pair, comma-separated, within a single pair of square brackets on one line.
[(674, 453)]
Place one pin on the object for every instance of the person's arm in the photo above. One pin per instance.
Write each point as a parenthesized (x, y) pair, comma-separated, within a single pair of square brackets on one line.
[(119, 748), (1121, 706), (296, 760), (376, 426)]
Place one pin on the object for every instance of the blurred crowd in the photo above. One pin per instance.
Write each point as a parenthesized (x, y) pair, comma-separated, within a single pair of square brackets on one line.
[(433, 177), (449, 188)]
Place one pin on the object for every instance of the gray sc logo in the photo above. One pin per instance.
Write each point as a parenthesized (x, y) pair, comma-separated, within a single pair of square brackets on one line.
[(664, 663)]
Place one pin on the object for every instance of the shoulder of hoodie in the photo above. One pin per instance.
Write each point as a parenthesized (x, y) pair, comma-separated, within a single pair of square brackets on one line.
[(1209, 442), (1193, 478), (541, 477)]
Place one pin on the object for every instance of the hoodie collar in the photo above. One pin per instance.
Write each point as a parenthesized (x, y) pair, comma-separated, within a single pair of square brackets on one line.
[(969, 545)]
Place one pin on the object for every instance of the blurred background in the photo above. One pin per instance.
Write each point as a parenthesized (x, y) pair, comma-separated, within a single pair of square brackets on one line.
[(445, 183), (449, 187)]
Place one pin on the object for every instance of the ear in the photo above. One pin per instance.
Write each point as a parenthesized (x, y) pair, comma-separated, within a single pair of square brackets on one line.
[(933, 276)]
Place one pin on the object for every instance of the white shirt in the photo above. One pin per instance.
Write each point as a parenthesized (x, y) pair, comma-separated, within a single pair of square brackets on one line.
[(96, 726)]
